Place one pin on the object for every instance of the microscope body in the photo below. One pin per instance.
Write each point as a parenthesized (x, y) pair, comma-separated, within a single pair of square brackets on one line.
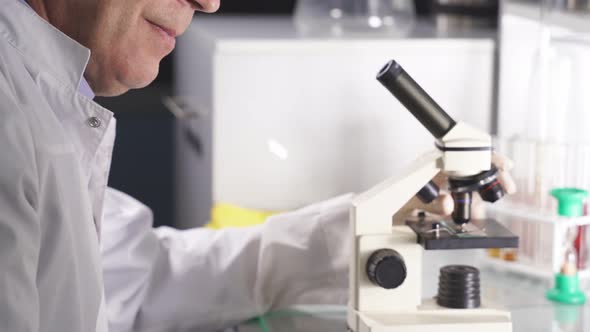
[(386, 266)]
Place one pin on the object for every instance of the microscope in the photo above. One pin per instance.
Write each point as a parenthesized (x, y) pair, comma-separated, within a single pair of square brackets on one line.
[(386, 266)]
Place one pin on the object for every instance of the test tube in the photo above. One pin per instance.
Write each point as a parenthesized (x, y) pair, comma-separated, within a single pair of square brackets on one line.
[(584, 259), (542, 247), (495, 252), (523, 156), (515, 226), (583, 154)]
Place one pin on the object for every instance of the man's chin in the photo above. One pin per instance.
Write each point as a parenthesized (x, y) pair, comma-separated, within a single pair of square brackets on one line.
[(112, 93), (125, 84)]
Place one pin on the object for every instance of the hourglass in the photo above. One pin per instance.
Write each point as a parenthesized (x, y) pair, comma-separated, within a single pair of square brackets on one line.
[(566, 289)]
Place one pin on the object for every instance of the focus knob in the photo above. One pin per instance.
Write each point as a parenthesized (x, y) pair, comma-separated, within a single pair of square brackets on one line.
[(386, 268)]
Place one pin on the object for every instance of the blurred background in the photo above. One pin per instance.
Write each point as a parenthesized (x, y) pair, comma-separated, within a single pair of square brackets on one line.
[(144, 157)]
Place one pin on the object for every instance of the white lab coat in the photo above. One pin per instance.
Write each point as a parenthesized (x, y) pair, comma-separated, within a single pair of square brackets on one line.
[(66, 240)]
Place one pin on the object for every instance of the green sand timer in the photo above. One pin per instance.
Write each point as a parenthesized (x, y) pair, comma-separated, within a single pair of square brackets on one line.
[(567, 289)]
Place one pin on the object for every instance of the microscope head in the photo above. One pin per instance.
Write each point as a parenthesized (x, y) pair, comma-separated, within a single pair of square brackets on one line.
[(466, 152), (466, 159)]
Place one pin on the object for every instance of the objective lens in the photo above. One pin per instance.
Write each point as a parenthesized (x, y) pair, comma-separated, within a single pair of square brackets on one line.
[(428, 193), (462, 211), (486, 183), (492, 192)]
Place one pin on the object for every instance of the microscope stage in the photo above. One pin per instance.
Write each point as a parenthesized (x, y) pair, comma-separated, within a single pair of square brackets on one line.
[(441, 234)]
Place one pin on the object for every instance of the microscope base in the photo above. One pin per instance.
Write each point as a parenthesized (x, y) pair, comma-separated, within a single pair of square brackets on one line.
[(431, 317)]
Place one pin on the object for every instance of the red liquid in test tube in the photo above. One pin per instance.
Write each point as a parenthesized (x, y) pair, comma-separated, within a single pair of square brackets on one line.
[(580, 244)]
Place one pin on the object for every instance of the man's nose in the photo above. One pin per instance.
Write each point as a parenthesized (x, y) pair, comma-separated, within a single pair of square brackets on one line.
[(206, 6)]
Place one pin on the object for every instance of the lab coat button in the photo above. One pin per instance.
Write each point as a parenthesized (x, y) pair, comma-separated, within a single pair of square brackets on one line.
[(94, 122)]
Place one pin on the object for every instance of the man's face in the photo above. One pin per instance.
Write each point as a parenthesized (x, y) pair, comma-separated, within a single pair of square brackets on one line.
[(129, 38)]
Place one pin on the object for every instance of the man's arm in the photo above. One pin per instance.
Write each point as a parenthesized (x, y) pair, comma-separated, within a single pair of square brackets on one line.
[(19, 222), (206, 279)]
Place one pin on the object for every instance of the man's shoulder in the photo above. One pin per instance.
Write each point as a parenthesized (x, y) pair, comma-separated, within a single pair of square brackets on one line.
[(17, 112), (12, 71), (17, 160), (11, 115), (16, 135), (13, 122)]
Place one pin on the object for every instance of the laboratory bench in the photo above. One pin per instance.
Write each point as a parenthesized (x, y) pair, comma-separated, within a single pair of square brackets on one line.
[(523, 297)]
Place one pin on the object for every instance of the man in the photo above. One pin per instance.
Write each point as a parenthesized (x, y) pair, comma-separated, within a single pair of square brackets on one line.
[(76, 256)]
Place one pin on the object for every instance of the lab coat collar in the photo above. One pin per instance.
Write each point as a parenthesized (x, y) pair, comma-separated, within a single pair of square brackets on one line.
[(42, 43), (57, 64), (48, 52)]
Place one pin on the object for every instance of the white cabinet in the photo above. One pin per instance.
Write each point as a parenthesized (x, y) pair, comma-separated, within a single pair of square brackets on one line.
[(286, 121)]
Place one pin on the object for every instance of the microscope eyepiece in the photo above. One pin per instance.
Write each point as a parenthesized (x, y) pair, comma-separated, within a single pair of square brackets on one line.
[(415, 99)]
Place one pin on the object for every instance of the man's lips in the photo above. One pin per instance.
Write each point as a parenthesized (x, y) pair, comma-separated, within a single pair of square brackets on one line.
[(170, 32), (168, 35)]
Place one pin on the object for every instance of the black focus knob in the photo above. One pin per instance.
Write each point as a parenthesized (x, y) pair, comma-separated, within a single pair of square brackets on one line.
[(386, 268)]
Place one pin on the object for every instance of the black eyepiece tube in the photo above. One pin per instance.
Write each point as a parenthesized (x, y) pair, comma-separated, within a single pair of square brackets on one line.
[(415, 99)]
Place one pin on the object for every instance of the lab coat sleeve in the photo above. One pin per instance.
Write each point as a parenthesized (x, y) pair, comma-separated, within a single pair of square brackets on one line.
[(19, 222), (166, 279)]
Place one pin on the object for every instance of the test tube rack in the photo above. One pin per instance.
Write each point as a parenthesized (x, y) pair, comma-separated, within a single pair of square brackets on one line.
[(542, 236)]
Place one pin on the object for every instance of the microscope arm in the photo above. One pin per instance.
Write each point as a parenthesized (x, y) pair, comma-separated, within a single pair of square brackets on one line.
[(374, 207)]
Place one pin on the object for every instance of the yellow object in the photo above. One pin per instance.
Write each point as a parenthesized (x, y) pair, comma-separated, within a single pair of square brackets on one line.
[(228, 215), (494, 252)]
